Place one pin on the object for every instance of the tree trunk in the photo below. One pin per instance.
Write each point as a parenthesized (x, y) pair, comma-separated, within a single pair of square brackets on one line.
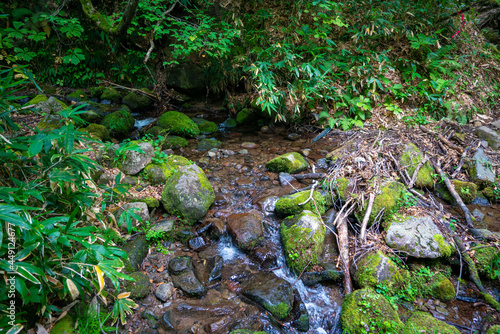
[(102, 22)]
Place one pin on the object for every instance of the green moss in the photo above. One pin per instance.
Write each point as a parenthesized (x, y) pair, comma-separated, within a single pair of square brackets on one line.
[(422, 322), (150, 201), (246, 331), (178, 124), (64, 326), (441, 288), (155, 131), (367, 309), (37, 99), (78, 95), (119, 123), (483, 257), (206, 127), (96, 91), (280, 311), (244, 116), (341, 185), (489, 193), (493, 330), (97, 131), (444, 248), (138, 101), (111, 94), (466, 190), (411, 157), (369, 272), (174, 142), (289, 163), (140, 287), (159, 173), (302, 248), (289, 205), (388, 200), (208, 144)]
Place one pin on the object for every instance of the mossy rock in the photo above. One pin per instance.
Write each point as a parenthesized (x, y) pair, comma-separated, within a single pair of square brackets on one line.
[(206, 127), (158, 173), (441, 288), (228, 123), (376, 268), (97, 131), (139, 287), (96, 92), (174, 142), (37, 99), (303, 236), (138, 101), (50, 122), (178, 124), (388, 200), (493, 330), (410, 158), (342, 188), (466, 190), (77, 95), (64, 326), (150, 201), (289, 205), (364, 309), (289, 163), (246, 331), (119, 123), (208, 144), (155, 131), (489, 193), (422, 322), (244, 116), (483, 257), (111, 94)]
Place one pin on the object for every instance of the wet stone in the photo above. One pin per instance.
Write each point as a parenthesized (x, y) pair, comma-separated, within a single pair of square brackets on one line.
[(293, 136), (164, 291), (197, 243), (285, 179), (322, 163), (244, 182), (443, 311), (329, 273), (249, 145), (179, 264)]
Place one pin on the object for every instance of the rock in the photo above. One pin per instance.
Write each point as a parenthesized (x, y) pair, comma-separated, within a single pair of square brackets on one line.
[(493, 329), (289, 205), (109, 93), (481, 199), (365, 308), (410, 159), (466, 190), (95, 92), (243, 152), (188, 193), (158, 173), (164, 291), (77, 96), (375, 268), (186, 77), (328, 274), (137, 249), (484, 234), (246, 229), (50, 122), (208, 144), (178, 124), (303, 237), (285, 179), (135, 161), (300, 314), (418, 237), (141, 209), (48, 106), (289, 163), (244, 116), (137, 101), (139, 288), (174, 142), (64, 326), (483, 257), (388, 200), (481, 171), (206, 127), (441, 288), (322, 164), (271, 292), (183, 277), (119, 123), (492, 137), (150, 201), (37, 99), (422, 322), (228, 123), (343, 187), (197, 244), (478, 215), (214, 268), (97, 131)]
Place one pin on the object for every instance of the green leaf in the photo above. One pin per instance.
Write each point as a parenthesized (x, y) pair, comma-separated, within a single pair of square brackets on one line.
[(35, 148)]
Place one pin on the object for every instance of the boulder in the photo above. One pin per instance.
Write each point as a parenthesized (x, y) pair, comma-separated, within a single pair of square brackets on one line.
[(483, 257), (228, 123), (158, 173), (183, 277), (246, 228), (136, 250), (51, 122), (289, 163), (388, 200), (64, 326), (466, 190), (77, 96), (480, 170), (303, 237), (139, 287), (178, 124), (363, 309), (442, 288), (37, 99), (135, 161), (244, 116), (174, 142), (119, 123), (422, 322), (139, 208), (51, 106), (96, 92), (97, 131), (188, 193), (376, 268), (289, 205), (206, 127), (410, 159), (208, 144), (138, 101), (271, 292), (418, 237), (186, 77), (491, 136), (111, 94)]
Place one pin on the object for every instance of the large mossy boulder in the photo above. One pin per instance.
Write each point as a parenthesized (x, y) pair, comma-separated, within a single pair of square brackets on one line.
[(111, 94), (97, 131), (135, 160), (51, 106), (410, 159), (244, 116), (289, 163), (139, 287), (206, 127), (466, 190), (64, 326), (422, 322), (138, 101), (178, 124), (119, 123), (174, 142), (247, 230), (289, 205), (188, 193), (442, 288), (418, 237), (271, 292), (303, 236), (376, 268), (158, 173), (37, 99), (365, 309), (387, 200)]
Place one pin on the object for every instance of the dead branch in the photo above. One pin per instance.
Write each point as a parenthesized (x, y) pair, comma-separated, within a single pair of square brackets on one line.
[(311, 193), (131, 89), (371, 199), (417, 169), (441, 138), (343, 242), (314, 176), (462, 160)]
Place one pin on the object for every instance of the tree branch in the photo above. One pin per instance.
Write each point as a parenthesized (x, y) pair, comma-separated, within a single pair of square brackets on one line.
[(103, 23)]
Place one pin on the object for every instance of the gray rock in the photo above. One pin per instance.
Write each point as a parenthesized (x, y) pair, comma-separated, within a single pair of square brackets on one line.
[(322, 164), (165, 226), (484, 234), (141, 209), (197, 243), (419, 237), (481, 170), (51, 106), (491, 136), (478, 215), (186, 77), (164, 291), (246, 228), (376, 268), (496, 124), (184, 278), (134, 161), (137, 249), (285, 179)]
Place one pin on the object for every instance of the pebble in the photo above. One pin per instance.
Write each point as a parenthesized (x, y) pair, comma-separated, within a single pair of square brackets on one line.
[(164, 291), (249, 145), (243, 151), (443, 311), (265, 129), (306, 152), (204, 161), (211, 154), (293, 136)]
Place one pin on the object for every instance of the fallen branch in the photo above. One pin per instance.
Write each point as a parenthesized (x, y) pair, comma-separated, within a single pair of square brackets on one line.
[(417, 169), (343, 242), (453, 192), (441, 138), (464, 155), (301, 273), (311, 193), (131, 89), (310, 176), (371, 199)]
